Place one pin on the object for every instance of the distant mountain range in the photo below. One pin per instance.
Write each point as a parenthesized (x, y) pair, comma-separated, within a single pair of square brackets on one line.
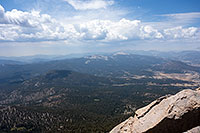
[(91, 93), (188, 56)]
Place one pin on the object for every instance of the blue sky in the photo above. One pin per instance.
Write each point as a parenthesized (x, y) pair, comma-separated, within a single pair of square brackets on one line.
[(29, 27)]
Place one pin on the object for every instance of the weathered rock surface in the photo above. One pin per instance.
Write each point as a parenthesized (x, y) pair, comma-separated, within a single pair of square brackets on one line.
[(169, 114), (194, 130)]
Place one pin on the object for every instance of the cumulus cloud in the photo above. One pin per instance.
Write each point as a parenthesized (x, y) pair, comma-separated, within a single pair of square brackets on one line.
[(116, 31), (18, 17), (16, 25), (22, 26), (90, 4), (180, 33), (106, 30)]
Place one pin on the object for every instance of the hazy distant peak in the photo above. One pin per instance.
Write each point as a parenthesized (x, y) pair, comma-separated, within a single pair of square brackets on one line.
[(95, 57), (120, 53)]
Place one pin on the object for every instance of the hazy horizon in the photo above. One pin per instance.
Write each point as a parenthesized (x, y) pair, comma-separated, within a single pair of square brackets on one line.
[(140, 52)]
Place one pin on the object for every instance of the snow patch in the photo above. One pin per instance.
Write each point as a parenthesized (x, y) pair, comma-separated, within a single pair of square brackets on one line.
[(120, 53), (88, 61), (96, 57)]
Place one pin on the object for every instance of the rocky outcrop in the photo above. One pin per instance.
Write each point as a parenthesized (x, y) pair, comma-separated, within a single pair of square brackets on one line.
[(169, 114), (194, 130)]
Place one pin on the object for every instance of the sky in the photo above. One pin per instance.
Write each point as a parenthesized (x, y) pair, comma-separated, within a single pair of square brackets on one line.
[(61, 27)]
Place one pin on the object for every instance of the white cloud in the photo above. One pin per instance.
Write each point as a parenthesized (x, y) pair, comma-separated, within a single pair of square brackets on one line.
[(24, 19), (181, 19), (32, 26), (188, 16), (121, 30), (9, 33), (2, 12), (124, 29), (90, 4), (16, 25), (180, 33)]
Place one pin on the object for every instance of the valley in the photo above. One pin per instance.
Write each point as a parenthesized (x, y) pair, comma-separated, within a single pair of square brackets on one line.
[(87, 94)]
